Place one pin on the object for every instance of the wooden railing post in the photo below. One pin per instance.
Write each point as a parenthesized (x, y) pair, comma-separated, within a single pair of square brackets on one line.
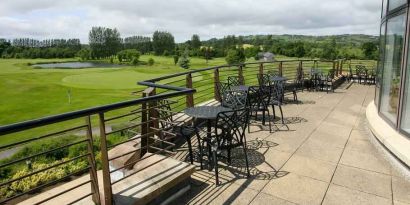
[(104, 162), (240, 75), (261, 69), (341, 67), (189, 97), (300, 67), (281, 68), (216, 82), (91, 161)]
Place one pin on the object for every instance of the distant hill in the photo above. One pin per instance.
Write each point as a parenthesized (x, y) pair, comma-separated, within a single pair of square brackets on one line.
[(344, 39)]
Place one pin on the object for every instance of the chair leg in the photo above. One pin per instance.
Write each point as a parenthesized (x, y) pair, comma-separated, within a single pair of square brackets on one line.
[(274, 115), (209, 156), (216, 167), (200, 151), (191, 155), (246, 159), (281, 114), (270, 123)]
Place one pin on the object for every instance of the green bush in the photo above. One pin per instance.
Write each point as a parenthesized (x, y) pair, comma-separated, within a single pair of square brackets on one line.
[(151, 61), (128, 55), (235, 56), (38, 179)]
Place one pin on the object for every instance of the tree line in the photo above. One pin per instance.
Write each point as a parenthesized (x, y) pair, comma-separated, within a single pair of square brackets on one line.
[(107, 43), (32, 48)]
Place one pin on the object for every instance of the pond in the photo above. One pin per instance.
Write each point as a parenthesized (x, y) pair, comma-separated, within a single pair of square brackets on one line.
[(68, 65)]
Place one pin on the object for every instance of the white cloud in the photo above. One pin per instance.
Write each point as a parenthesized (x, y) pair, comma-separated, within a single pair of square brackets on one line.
[(208, 18)]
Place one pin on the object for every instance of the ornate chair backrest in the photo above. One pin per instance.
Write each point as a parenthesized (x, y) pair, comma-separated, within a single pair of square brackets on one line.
[(331, 74), (263, 79), (222, 88), (235, 99), (234, 81), (273, 73), (360, 69), (232, 126), (278, 91), (165, 113)]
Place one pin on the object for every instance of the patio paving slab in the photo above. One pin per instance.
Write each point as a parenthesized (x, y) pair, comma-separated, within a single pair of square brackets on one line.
[(297, 189), (338, 195), (362, 180), (314, 168)]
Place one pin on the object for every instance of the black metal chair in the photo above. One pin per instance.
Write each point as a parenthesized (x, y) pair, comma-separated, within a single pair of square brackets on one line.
[(229, 134), (222, 88), (172, 130), (371, 77), (234, 99), (258, 96), (277, 98), (234, 81), (361, 73), (329, 81), (273, 73)]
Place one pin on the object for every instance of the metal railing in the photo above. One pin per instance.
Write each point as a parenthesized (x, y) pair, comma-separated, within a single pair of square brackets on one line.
[(186, 89)]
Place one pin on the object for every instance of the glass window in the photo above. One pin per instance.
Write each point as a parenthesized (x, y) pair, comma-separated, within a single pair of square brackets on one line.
[(384, 9), (396, 3), (380, 64), (405, 118), (391, 68)]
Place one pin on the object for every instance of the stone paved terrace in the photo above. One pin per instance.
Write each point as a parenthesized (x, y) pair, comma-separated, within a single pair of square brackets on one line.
[(327, 156)]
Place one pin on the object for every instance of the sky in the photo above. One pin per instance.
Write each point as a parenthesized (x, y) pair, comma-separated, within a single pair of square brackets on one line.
[(41, 19)]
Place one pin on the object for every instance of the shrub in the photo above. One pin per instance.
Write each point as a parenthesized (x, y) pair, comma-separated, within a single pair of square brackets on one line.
[(151, 61), (166, 53), (134, 61), (40, 178), (84, 54), (184, 60), (235, 56), (176, 57), (128, 55)]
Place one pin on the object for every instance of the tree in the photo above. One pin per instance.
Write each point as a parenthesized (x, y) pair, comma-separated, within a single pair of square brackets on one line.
[(235, 56), (369, 50), (206, 52), (252, 51), (183, 61), (141, 43), (330, 51), (195, 42), (162, 41), (300, 49), (176, 57), (104, 42), (84, 54)]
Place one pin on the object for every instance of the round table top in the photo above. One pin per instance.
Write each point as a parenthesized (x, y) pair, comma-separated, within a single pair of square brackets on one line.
[(278, 78), (205, 112)]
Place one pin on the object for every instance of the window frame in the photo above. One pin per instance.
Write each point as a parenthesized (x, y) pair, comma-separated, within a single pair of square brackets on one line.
[(395, 124)]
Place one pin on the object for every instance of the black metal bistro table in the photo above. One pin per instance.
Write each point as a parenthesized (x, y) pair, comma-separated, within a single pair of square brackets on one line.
[(208, 113)]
